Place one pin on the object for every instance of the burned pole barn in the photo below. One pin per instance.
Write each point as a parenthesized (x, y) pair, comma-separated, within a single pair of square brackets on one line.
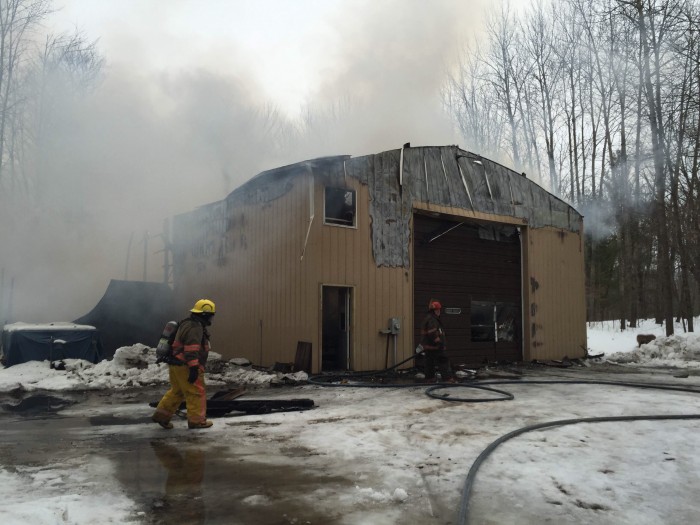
[(343, 255)]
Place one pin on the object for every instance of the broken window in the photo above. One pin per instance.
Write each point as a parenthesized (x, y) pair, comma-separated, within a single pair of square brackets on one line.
[(499, 233), (482, 321), (507, 316), (339, 207), (494, 322)]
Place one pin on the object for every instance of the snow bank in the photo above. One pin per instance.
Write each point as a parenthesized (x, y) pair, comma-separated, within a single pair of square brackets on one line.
[(132, 366), (135, 366), (681, 351)]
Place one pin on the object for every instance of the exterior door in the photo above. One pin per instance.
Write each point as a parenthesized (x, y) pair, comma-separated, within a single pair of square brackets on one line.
[(335, 339)]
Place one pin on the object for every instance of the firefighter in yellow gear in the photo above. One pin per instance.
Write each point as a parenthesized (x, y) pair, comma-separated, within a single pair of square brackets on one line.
[(190, 350)]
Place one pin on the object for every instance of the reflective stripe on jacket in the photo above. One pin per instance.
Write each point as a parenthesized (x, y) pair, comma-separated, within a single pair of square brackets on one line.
[(191, 345)]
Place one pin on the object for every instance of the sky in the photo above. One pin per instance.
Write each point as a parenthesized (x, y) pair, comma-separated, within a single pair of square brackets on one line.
[(194, 99), (407, 454), (270, 44), (289, 53)]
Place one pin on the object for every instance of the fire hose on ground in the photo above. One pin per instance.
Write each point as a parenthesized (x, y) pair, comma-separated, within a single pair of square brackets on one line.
[(502, 395)]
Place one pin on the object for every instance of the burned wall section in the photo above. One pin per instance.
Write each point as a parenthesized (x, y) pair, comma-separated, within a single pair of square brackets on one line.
[(200, 234), (390, 210), (212, 232)]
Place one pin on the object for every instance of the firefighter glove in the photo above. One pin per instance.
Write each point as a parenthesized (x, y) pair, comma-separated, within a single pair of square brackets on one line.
[(194, 372)]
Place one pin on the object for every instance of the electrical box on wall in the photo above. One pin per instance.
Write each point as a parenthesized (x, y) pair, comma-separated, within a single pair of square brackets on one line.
[(394, 325)]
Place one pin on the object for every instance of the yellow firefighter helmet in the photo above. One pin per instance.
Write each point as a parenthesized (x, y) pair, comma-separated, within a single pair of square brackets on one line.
[(204, 306)]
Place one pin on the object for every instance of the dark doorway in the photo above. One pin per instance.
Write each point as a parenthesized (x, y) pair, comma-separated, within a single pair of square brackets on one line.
[(336, 310), (474, 270)]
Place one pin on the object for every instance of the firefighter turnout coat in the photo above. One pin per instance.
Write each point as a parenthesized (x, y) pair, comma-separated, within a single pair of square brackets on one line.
[(190, 349)]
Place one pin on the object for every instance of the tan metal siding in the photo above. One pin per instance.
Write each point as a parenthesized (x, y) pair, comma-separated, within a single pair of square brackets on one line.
[(263, 280), (460, 212), (346, 259), (556, 310)]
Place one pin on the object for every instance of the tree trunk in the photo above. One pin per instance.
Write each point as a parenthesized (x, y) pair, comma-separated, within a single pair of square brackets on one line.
[(664, 272)]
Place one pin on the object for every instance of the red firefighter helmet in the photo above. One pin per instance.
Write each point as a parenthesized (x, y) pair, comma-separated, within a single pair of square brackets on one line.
[(434, 305)]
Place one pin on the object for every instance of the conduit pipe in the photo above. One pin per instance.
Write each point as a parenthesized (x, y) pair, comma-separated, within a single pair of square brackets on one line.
[(311, 217)]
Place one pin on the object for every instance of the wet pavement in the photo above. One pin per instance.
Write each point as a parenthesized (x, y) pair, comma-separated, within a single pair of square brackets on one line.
[(255, 470), (178, 476)]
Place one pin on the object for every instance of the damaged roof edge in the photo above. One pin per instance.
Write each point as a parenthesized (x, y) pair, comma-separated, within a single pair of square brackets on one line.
[(481, 186), (487, 193), (290, 169), (523, 174)]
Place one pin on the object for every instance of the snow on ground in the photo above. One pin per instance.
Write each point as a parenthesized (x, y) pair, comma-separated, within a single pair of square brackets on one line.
[(132, 366), (406, 454), (40, 494), (135, 366), (681, 350)]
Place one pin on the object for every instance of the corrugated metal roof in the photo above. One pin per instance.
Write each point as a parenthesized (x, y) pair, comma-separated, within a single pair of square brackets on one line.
[(451, 176), (447, 176)]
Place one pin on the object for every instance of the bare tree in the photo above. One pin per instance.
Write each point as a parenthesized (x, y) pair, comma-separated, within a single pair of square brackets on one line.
[(540, 44), (609, 90), (684, 198), (654, 21), (473, 106), (18, 18), (64, 71), (570, 59), (502, 72)]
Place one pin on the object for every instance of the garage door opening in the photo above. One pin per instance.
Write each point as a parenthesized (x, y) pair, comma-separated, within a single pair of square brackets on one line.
[(336, 309), (474, 269)]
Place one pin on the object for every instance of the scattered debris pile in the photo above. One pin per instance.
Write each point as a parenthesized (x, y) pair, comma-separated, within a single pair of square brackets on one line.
[(224, 402)]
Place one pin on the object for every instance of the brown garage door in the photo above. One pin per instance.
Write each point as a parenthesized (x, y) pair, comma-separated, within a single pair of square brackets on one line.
[(473, 269)]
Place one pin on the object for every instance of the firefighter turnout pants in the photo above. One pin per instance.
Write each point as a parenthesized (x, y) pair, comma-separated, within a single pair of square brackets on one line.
[(193, 394)]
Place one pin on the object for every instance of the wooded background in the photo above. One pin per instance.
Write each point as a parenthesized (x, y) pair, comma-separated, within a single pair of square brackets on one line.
[(600, 99)]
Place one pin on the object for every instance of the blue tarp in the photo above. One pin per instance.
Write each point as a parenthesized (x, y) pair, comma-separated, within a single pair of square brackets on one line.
[(22, 342)]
